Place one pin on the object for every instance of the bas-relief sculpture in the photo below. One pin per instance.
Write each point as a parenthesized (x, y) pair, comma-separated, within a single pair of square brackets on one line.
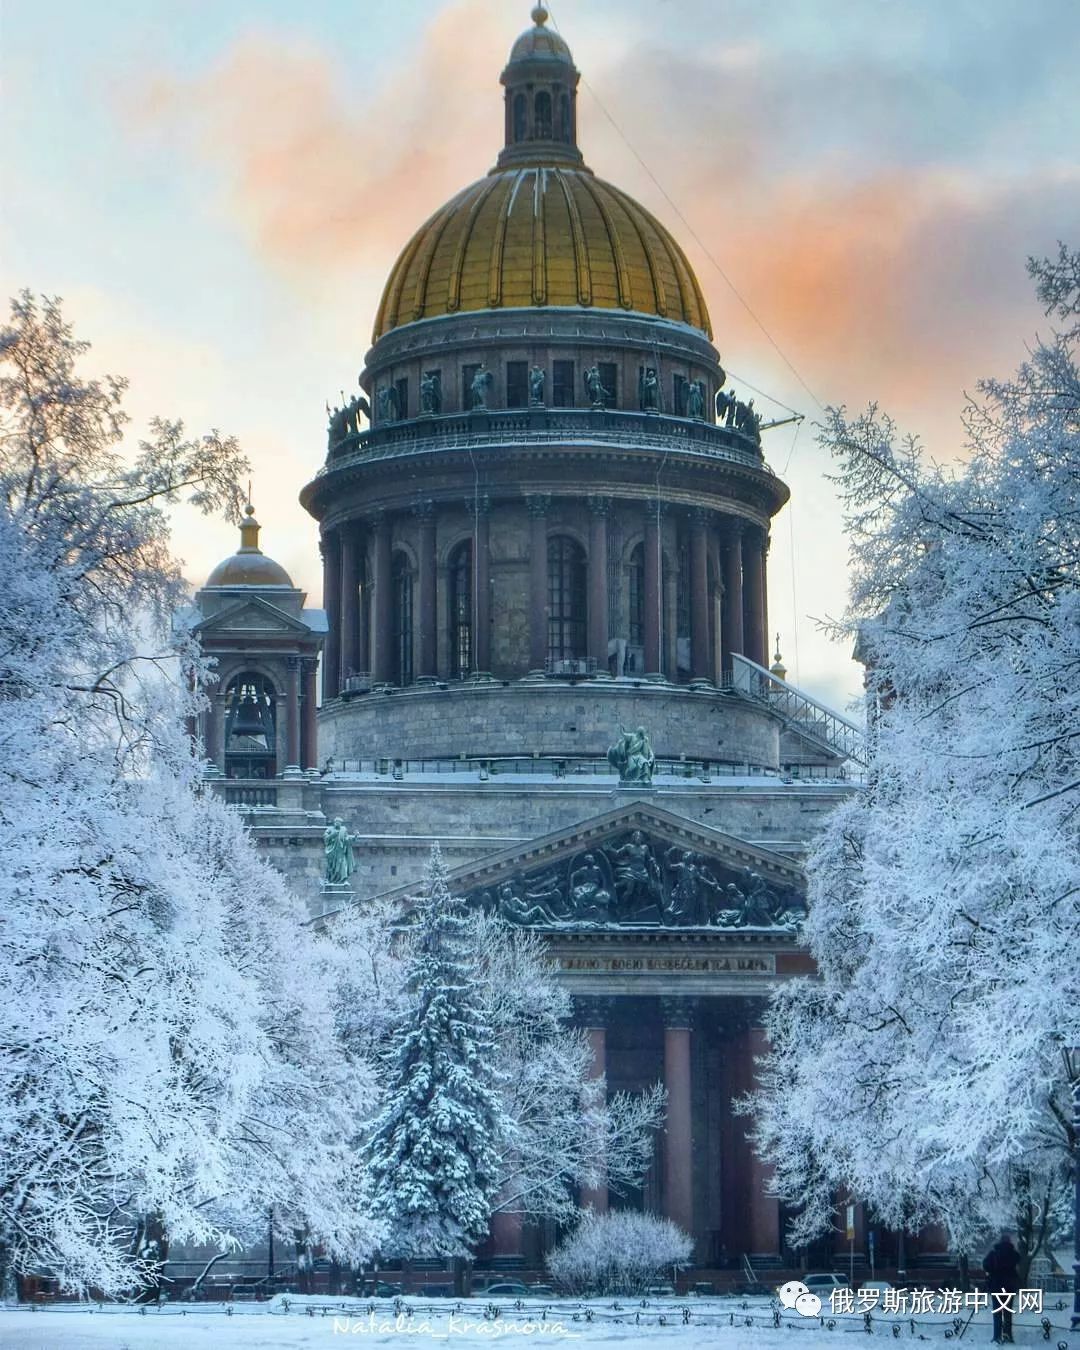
[(626, 882)]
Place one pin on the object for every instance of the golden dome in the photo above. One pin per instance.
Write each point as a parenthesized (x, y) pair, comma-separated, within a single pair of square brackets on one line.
[(539, 43), (249, 565), (541, 235)]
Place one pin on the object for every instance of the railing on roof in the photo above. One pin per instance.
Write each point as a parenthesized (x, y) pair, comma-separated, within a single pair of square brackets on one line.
[(525, 426), (803, 714)]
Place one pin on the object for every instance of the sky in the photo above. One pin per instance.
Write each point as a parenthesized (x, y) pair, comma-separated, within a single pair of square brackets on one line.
[(218, 191)]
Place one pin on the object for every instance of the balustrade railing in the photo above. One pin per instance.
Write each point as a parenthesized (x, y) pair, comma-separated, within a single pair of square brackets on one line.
[(802, 713)]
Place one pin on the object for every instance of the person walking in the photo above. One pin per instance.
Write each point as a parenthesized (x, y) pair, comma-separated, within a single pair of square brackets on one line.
[(1001, 1264)]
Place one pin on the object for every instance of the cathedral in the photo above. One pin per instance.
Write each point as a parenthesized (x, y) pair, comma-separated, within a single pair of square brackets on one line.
[(543, 642)]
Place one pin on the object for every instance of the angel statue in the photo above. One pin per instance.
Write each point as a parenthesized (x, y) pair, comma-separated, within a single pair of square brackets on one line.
[(481, 386)]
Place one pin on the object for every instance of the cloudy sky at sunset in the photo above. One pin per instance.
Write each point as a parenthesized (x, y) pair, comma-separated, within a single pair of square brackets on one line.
[(219, 189)]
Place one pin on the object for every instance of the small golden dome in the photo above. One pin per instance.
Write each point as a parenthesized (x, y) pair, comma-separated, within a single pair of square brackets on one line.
[(541, 235), (539, 43), (249, 565)]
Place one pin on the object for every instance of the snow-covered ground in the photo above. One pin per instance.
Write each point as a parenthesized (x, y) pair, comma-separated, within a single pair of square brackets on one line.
[(298, 1323)]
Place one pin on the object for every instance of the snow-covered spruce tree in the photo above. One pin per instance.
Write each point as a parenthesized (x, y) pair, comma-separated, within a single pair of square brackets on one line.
[(151, 1080), (434, 1151), (923, 1072), (567, 1134), (621, 1252)]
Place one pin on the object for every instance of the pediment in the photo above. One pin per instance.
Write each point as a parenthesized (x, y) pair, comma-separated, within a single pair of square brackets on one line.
[(637, 866), (252, 615)]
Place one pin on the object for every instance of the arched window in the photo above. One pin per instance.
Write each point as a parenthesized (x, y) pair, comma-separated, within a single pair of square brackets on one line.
[(566, 132), (635, 575), (519, 118), (250, 727), (566, 602), (542, 123), (403, 620), (461, 610)]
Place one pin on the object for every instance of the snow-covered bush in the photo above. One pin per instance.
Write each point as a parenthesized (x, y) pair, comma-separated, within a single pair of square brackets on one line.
[(923, 1071), (621, 1252)]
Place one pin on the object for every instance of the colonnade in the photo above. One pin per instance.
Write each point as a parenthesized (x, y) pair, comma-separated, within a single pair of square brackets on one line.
[(297, 745), (727, 573)]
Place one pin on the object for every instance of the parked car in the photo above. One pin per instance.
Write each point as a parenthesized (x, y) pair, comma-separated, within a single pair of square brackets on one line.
[(507, 1289), (660, 1291), (436, 1291), (541, 1291), (823, 1285)]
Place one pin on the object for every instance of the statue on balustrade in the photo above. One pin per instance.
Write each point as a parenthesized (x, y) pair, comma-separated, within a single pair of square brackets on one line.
[(725, 406), (695, 399), (431, 392), (481, 387), (386, 403), (537, 377), (338, 848), (748, 421), (338, 427), (594, 387), (650, 390), (632, 755), (637, 881)]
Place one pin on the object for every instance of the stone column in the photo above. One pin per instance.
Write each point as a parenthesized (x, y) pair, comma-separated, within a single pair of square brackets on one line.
[(653, 575), (349, 609), (753, 598), (678, 1134), (670, 634), (481, 585), (331, 555), (292, 715), (731, 561), (309, 751), (764, 1235), (538, 581), (592, 1015), (215, 730), (382, 660), (428, 606), (598, 583), (700, 664), (363, 655), (765, 637)]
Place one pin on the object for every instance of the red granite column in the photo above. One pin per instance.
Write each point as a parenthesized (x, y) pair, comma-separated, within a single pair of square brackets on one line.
[(363, 655), (292, 715), (700, 663), (653, 571), (482, 586), (592, 1015), (732, 620), (598, 583), (764, 1235), (309, 752), (765, 540), (331, 554), (427, 594), (215, 730), (382, 660), (538, 582), (678, 1134), (753, 571), (349, 605)]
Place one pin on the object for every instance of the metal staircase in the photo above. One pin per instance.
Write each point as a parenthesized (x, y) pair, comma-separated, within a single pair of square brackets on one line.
[(801, 713)]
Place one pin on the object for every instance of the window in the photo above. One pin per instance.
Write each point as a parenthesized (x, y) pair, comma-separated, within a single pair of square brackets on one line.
[(461, 610), (609, 374), (468, 374), (566, 601), (402, 387), (562, 384), (565, 130), (402, 620), (636, 588), (542, 127), (517, 384), (519, 117)]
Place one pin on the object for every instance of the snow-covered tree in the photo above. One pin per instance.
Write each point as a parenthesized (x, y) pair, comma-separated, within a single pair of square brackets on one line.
[(922, 1072), (567, 1133), (167, 1064), (621, 1252), (434, 1151)]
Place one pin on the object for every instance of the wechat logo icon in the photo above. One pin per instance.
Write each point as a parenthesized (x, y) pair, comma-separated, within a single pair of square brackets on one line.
[(795, 1295)]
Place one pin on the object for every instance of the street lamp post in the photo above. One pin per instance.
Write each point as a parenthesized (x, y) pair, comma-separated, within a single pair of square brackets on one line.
[(1072, 1068)]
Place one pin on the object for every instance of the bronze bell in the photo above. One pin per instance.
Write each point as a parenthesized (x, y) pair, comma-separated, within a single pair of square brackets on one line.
[(248, 719)]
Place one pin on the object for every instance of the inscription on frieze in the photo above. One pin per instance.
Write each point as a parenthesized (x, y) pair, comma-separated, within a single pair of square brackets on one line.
[(701, 965)]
